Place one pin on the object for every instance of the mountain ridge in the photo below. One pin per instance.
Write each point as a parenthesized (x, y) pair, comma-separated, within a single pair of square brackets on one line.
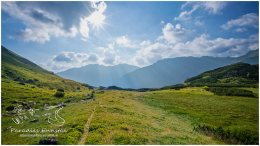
[(97, 75), (165, 72), (172, 71)]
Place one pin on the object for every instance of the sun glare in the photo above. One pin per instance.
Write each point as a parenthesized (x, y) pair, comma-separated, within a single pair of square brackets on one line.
[(97, 19)]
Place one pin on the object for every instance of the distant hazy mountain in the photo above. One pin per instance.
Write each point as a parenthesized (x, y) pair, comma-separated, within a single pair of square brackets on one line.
[(251, 57), (176, 70), (98, 75), (162, 73), (234, 74)]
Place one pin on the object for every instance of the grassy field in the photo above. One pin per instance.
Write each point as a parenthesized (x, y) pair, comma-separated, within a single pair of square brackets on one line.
[(124, 117), (75, 112), (236, 115)]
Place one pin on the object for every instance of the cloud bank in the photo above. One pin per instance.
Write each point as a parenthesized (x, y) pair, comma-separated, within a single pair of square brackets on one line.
[(43, 23)]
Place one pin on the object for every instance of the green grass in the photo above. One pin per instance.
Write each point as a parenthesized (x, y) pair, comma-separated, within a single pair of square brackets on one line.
[(74, 126), (14, 93), (121, 119), (202, 107), (124, 117)]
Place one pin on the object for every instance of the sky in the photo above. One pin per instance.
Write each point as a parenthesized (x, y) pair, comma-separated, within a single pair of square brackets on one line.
[(62, 35)]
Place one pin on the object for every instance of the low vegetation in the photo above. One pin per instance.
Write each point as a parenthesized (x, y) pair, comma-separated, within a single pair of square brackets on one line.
[(239, 74), (234, 113), (233, 137), (230, 91), (59, 93)]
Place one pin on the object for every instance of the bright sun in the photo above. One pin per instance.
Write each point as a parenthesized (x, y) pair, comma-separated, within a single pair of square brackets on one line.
[(97, 19)]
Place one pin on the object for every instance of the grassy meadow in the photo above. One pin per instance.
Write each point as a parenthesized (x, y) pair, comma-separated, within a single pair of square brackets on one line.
[(154, 117), (60, 111)]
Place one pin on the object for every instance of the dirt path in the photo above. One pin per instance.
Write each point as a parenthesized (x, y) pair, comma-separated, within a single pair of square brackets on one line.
[(86, 128)]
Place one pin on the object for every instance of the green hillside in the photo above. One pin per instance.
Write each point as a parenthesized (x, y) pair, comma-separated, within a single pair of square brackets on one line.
[(18, 69), (239, 74), (24, 81)]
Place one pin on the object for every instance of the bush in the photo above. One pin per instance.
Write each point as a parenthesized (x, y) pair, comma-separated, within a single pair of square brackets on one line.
[(176, 87), (50, 141), (60, 90), (59, 94), (230, 91), (30, 81), (232, 137), (10, 108), (21, 83)]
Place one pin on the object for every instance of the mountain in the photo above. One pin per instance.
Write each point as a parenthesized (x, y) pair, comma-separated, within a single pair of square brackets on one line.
[(162, 73), (235, 74), (98, 75), (176, 70), (251, 57), (16, 69)]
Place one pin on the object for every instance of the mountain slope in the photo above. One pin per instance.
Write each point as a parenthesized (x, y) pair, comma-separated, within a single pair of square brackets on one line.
[(98, 75), (176, 70), (18, 69), (251, 57), (235, 74)]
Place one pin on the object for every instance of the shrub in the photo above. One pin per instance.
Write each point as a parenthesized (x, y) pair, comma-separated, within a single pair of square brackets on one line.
[(21, 83), (10, 108), (176, 87), (60, 90), (30, 81), (232, 137), (230, 91), (50, 141), (90, 96), (59, 94)]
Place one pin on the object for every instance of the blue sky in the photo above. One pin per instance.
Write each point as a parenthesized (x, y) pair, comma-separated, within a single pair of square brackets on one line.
[(63, 35)]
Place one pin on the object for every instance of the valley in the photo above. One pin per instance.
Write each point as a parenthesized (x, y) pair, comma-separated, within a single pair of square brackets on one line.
[(76, 113), (129, 72), (158, 117)]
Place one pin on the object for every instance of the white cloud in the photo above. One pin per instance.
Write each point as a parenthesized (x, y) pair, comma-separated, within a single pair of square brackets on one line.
[(198, 21), (99, 6), (210, 7), (174, 34), (186, 15), (98, 15), (149, 52), (38, 30), (169, 45), (124, 41), (35, 36), (84, 28), (66, 60), (240, 29), (41, 25), (247, 20), (145, 43), (213, 7)]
